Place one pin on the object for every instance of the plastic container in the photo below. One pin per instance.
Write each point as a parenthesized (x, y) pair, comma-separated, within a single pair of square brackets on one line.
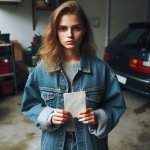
[(5, 38)]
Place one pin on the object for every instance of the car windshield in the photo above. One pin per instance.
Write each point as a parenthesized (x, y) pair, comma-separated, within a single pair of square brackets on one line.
[(133, 37), (137, 38)]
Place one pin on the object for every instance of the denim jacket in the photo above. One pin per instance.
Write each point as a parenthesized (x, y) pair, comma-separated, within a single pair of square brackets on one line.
[(44, 92)]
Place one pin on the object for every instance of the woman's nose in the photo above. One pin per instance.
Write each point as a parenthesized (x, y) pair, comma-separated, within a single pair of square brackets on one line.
[(70, 34)]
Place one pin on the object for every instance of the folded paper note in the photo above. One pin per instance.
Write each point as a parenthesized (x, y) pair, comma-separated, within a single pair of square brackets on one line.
[(75, 102)]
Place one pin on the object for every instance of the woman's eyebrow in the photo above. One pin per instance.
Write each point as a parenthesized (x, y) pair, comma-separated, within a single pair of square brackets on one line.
[(61, 25)]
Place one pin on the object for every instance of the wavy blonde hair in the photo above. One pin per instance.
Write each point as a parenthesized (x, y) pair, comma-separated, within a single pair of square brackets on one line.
[(51, 51)]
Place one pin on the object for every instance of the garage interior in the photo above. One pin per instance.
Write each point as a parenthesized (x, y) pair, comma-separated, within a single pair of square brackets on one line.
[(131, 133), (23, 24)]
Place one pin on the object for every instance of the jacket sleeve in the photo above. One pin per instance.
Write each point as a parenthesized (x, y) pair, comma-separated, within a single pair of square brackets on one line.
[(34, 108), (111, 108)]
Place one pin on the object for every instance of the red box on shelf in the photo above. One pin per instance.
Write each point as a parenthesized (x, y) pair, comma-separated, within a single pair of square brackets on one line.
[(4, 66), (7, 89)]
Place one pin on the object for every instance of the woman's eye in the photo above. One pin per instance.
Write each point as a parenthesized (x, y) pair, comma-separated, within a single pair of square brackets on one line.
[(77, 28), (62, 28)]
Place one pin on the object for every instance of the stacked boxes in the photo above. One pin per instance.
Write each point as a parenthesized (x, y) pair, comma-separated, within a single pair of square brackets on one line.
[(5, 86), (4, 66), (6, 78)]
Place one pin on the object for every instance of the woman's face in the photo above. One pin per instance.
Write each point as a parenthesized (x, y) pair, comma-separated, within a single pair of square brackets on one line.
[(70, 31)]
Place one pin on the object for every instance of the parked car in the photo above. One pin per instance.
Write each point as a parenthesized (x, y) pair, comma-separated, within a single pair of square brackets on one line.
[(129, 55)]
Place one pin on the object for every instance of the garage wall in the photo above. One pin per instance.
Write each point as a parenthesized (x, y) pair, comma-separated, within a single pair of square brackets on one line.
[(125, 11), (97, 12), (17, 20)]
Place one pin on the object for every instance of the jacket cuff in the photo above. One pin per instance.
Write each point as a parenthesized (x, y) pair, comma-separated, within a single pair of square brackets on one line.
[(45, 116), (100, 128)]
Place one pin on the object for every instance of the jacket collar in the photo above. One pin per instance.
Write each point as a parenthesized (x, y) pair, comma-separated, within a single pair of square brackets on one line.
[(84, 64)]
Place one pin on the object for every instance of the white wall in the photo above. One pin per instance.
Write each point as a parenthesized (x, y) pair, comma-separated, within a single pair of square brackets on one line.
[(17, 20), (96, 11)]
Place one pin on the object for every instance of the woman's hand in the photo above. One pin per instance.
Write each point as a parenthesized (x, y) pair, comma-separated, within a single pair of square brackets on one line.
[(88, 116), (61, 116)]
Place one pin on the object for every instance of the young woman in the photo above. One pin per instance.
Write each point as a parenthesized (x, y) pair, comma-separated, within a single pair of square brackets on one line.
[(69, 64)]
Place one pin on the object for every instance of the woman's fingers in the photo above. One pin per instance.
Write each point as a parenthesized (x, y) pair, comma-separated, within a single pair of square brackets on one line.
[(58, 120), (62, 113), (88, 116), (88, 119), (86, 111), (60, 116)]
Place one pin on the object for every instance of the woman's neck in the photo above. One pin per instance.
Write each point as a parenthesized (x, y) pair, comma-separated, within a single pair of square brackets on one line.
[(71, 56)]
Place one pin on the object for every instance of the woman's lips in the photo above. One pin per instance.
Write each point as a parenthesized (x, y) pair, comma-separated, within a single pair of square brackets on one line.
[(70, 42)]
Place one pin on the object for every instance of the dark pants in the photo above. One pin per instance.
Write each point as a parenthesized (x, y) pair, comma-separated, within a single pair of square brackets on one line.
[(70, 142)]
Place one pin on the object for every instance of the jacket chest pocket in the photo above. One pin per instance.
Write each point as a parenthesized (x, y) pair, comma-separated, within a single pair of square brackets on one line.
[(48, 98), (93, 98)]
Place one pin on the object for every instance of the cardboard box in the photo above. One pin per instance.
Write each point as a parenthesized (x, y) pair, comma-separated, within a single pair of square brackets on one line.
[(18, 50)]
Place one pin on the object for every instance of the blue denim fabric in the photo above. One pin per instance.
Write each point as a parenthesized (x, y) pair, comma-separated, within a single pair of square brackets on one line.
[(70, 144), (44, 92)]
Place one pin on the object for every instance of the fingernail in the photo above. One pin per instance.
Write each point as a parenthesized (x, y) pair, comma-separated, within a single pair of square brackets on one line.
[(81, 119)]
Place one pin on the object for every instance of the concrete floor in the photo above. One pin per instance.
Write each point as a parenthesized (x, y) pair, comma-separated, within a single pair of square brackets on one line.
[(132, 132)]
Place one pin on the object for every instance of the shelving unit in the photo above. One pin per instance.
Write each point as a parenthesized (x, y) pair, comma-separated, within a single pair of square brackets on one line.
[(8, 84), (39, 5), (10, 2)]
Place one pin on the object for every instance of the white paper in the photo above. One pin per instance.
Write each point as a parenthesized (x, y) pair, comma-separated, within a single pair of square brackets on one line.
[(75, 102)]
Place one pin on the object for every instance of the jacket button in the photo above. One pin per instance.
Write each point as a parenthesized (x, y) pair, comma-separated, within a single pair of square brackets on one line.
[(61, 133), (62, 87), (59, 145), (45, 95)]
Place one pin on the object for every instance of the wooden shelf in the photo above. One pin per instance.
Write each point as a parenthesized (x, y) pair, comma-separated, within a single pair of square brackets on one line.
[(6, 75), (5, 44)]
